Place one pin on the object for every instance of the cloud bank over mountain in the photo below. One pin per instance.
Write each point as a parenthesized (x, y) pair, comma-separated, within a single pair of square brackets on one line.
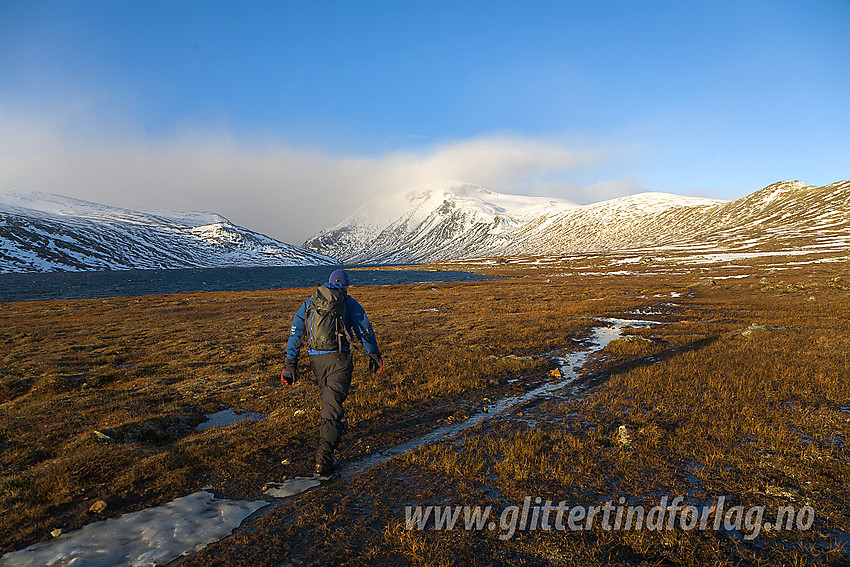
[(270, 185)]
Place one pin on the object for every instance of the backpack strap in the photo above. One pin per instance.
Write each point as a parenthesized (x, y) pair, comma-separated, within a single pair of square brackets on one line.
[(348, 337)]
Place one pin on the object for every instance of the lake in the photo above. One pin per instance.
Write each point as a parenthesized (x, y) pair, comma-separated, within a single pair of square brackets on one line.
[(89, 285)]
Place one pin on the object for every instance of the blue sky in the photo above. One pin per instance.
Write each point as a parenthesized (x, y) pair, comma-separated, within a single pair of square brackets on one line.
[(284, 116)]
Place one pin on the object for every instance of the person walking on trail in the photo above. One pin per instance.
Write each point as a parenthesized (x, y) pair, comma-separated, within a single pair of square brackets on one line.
[(326, 320)]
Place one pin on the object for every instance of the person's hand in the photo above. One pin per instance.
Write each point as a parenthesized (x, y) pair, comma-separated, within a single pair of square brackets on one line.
[(376, 364), (290, 371)]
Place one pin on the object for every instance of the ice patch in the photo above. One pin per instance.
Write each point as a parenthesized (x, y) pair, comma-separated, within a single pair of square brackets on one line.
[(292, 487), (155, 536), (228, 417)]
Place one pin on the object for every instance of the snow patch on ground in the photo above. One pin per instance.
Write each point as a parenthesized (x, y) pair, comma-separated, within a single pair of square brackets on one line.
[(292, 487), (155, 536), (617, 273)]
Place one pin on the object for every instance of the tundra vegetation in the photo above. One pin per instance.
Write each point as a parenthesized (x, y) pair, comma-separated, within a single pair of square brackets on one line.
[(742, 392)]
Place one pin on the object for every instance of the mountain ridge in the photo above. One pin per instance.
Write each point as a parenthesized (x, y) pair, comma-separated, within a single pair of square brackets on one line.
[(446, 221), (41, 232), (455, 227)]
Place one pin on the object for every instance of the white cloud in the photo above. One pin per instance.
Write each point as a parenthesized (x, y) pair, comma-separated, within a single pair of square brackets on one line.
[(268, 186)]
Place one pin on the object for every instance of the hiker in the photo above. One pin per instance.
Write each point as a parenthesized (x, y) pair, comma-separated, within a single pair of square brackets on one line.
[(328, 317)]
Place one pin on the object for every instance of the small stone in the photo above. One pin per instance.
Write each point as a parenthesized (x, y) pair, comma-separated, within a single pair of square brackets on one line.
[(97, 507), (706, 283), (57, 532), (624, 438)]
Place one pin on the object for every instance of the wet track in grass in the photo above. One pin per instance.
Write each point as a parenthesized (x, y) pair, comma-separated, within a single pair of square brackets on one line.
[(98, 543)]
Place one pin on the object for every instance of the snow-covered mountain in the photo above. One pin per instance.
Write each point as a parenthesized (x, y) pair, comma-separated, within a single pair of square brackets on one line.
[(41, 232), (451, 220), (786, 215), (460, 220)]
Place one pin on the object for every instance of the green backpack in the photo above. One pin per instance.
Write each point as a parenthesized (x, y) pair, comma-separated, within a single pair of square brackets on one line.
[(326, 320)]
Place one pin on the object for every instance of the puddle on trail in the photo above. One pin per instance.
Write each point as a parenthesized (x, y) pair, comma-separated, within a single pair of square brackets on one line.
[(154, 536), (228, 417), (570, 366), (159, 535)]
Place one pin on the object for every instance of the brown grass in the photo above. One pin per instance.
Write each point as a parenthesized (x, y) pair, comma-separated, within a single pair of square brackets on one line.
[(760, 418), (755, 417)]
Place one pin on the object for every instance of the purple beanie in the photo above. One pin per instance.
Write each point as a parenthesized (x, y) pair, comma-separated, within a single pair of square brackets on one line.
[(339, 277)]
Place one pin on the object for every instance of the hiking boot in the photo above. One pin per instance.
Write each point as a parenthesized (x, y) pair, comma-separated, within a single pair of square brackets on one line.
[(326, 467)]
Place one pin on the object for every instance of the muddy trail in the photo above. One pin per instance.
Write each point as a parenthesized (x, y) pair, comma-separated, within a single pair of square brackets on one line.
[(176, 533)]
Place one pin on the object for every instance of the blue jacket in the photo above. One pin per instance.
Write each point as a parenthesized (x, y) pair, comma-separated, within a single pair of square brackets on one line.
[(355, 318)]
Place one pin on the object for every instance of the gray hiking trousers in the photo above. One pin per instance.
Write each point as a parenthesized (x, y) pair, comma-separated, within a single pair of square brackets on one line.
[(333, 373)]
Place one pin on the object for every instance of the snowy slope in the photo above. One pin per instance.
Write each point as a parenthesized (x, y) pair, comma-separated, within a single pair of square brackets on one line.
[(444, 221), (462, 221), (631, 221), (786, 215), (40, 232)]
